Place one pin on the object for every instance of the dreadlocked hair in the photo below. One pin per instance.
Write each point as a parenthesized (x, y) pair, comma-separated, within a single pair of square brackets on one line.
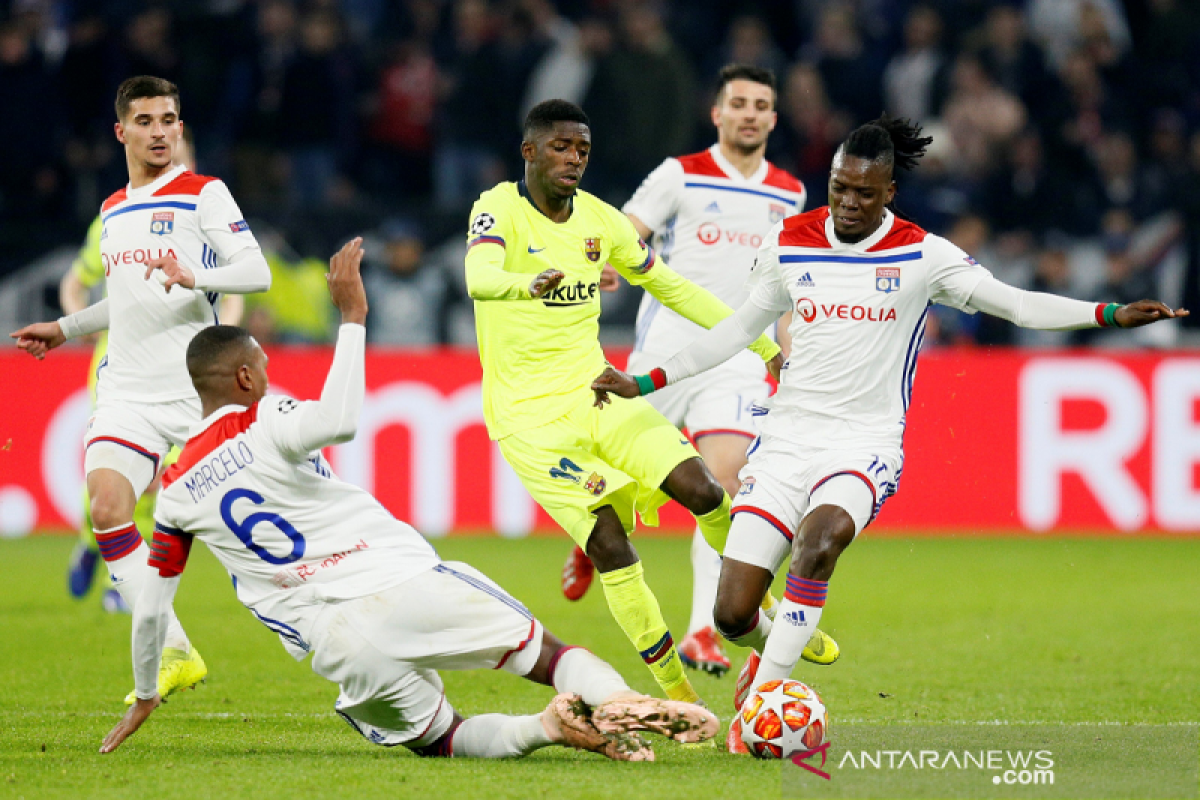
[(889, 140)]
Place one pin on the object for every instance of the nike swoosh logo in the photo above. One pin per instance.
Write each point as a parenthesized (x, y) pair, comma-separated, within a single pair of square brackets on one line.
[(532, 251)]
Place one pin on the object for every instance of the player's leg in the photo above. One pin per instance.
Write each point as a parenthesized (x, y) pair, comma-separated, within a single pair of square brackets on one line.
[(633, 604), (595, 500), (383, 656), (672, 403), (846, 493), (725, 454), (124, 449)]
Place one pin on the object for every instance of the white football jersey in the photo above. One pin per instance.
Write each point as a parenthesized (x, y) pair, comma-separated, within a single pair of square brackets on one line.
[(708, 221), (181, 214), (290, 533), (859, 318)]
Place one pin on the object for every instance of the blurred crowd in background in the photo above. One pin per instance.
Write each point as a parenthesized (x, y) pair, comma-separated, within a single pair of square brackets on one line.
[(1066, 152)]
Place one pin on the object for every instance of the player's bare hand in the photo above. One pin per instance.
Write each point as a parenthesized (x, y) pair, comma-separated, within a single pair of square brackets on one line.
[(345, 282), (775, 366), (172, 273), (1144, 312), (619, 383), (545, 283), (39, 338), (133, 719), (610, 281)]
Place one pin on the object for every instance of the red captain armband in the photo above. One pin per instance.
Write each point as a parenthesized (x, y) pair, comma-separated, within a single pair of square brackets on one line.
[(169, 550)]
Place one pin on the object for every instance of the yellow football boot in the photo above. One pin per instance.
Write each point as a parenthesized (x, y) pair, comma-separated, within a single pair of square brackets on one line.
[(179, 670)]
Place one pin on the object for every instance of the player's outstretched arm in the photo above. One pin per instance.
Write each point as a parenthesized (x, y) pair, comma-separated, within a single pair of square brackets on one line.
[(613, 380), (695, 303), (137, 713), (1044, 311), (151, 616), (715, 346), (1145, 312), (39, 338), (42, 337), (346, 288), (334, 418)]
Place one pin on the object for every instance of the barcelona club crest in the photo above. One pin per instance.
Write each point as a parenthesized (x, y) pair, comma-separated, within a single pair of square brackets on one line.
[(596, 484), (162, 222), (591, 248), (887, 279)]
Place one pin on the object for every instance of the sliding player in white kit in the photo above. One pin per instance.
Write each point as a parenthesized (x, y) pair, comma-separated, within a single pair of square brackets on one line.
[(321, 563), (187, 232), (708, 213), (859, 281)]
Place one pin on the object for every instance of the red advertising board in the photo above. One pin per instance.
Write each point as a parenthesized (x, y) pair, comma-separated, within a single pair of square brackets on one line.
[(997, 441)]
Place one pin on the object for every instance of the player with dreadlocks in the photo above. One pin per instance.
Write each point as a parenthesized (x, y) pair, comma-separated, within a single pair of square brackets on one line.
[(860, 281)]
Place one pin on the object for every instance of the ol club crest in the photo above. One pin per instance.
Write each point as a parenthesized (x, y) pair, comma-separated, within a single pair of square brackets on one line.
[(887, 279), (162, 222), (591, 248)]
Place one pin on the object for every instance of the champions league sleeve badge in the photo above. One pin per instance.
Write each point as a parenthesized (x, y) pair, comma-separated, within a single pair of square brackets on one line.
[(887, 279), (482, 223)]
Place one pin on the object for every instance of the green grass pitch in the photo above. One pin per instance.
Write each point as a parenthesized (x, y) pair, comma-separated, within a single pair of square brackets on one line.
[(934, 631)]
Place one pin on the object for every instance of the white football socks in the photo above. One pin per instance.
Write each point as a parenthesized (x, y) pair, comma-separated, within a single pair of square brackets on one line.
[(795, 621), (499, 736), (706, 572), (577, 671), (130, 573)]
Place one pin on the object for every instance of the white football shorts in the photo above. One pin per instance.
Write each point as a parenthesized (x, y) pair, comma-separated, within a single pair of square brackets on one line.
[(782, 483), (132, 438), (384, 650), (720, 400)]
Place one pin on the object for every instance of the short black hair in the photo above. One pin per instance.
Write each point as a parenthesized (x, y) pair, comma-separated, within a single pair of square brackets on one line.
[(889, 140), (744, 72), (208, 347), (142, 86), (542, 117)]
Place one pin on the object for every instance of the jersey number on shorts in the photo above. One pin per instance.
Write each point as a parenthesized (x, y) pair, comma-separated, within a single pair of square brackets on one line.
[(244, 529)]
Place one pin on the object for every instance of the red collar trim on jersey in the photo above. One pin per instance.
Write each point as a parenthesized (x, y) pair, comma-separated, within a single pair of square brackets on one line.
[(701, 163), (806, 230), (220, 431), (186, 183)]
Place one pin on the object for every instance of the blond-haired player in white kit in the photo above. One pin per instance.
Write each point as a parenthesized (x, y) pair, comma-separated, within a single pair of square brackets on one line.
[(859, 282), (321, 563), (708, 213), (173, 241)]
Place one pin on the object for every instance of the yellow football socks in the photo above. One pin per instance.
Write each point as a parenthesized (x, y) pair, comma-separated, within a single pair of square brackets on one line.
[(636, 610), (715, 524)]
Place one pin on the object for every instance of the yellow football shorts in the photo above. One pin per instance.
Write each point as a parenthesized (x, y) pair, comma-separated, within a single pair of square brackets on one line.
[(618, 456)]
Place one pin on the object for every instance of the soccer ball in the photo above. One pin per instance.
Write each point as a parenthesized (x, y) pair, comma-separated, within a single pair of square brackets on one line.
[(783, 717)]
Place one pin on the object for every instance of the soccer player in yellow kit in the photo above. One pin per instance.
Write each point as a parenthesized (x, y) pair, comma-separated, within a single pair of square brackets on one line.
[(535, 252)]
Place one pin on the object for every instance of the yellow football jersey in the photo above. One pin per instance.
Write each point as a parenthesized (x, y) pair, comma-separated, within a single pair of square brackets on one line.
[(539, 355)]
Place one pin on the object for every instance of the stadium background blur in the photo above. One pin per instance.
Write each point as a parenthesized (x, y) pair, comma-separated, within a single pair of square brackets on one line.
[(1066, 154)]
